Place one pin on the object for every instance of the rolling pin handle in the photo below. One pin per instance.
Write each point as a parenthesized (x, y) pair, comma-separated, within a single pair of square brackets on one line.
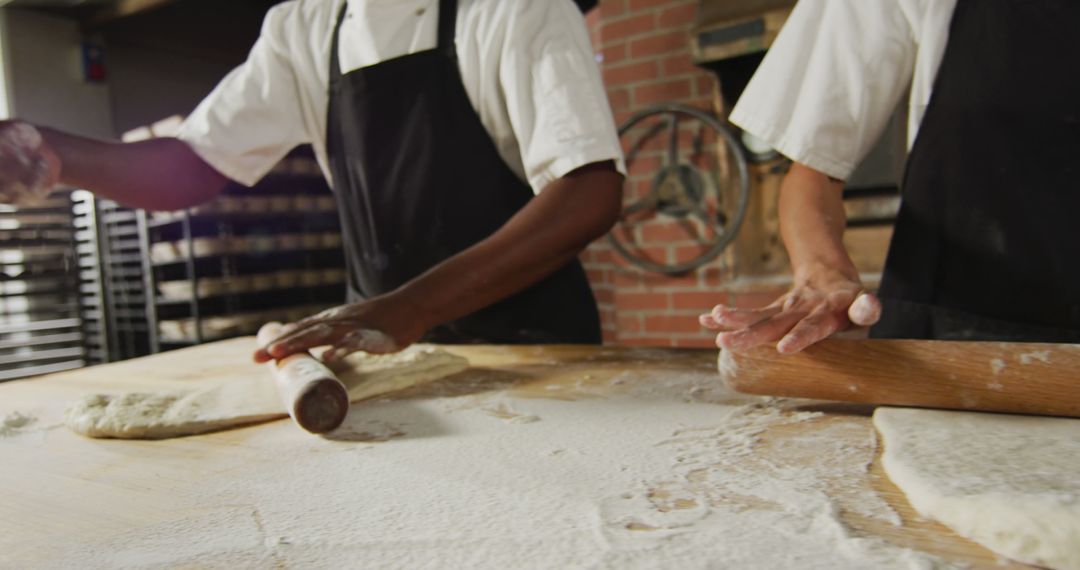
[(315, 399)]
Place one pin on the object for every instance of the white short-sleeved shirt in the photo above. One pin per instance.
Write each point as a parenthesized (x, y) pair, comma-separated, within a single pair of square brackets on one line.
[(831, 80), (527, 66)]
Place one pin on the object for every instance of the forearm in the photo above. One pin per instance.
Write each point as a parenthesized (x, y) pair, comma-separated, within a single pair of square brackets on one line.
[(157, 174), (826, 296), (812, 223), (545, 235)]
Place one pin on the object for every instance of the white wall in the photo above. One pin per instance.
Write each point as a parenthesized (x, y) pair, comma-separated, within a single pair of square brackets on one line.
[(43, 75)]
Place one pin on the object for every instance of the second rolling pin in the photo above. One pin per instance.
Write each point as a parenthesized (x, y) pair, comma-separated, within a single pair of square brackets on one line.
[(1009, 377)]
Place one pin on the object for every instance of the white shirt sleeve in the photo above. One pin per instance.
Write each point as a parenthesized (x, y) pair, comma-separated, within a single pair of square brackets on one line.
[(253, 118), (555, 99), (829, 83)]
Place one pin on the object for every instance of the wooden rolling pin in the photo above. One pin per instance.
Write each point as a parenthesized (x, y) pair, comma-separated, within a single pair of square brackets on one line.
[(316, 400), (1021, 378)]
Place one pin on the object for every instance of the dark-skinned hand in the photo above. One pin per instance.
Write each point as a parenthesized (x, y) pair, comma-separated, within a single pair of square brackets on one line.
[(29, 169), (378, 325)]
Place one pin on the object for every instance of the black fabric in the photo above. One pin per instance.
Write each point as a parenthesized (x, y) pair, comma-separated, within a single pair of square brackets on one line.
[(986, 245), (418, 180)]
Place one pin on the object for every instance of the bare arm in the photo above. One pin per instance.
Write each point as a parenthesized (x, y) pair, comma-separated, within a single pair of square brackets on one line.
[(812, 223), (827, 295), (157, 174), (546, 234)]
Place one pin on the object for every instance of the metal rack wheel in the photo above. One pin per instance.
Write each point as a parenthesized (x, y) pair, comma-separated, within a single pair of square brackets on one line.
[(700, 189)]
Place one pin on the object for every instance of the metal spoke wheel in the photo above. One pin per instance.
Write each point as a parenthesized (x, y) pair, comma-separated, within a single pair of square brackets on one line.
[(688, 181)]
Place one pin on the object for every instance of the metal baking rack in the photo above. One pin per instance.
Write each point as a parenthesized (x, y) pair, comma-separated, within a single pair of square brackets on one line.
[(39, 294), (272, 252), (110, 263)]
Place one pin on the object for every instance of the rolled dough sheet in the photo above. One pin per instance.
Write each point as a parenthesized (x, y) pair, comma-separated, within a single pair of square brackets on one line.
[(161, 415), (1009, 483)]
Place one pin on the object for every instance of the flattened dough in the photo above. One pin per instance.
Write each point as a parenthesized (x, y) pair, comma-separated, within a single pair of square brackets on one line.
[(1009, 483), (160, 415)]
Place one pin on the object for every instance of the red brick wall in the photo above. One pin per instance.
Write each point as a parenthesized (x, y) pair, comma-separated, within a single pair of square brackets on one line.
[(644, 52)]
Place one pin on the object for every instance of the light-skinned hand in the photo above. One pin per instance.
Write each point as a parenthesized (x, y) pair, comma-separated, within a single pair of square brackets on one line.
[(815, 308)]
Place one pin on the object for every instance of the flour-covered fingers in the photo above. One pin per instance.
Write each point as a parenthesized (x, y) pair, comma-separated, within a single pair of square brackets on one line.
[(14, 187), (30, 169), (267, 334), (316, 326), (765, 332), (366, 340), (708, 321), (320, 318), (275, 333), (817, 326), (46, 173), (865, 311), (301, 339), (731, 318)]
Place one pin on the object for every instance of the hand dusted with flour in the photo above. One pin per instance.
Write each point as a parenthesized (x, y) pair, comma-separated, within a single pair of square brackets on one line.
[(29, 169)]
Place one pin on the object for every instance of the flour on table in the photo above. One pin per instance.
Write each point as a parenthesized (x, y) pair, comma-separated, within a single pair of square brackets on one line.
[(506, 412), (369, 375), (1009, 483), (159, 415), (14, 423), (772, 509), (667, 472)]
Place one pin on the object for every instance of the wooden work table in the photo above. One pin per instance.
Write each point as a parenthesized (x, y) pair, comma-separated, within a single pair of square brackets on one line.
[(55, 485)]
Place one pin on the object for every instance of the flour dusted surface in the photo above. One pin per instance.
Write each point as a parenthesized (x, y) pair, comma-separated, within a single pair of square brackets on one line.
[(14, 423), (647, 471)]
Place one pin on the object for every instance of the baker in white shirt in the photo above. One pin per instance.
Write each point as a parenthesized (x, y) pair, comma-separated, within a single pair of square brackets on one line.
[(985, 247), (469, 143)]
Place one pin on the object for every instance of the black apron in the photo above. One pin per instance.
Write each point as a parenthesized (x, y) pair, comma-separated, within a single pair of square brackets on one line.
[(987, 241), (418, 180)]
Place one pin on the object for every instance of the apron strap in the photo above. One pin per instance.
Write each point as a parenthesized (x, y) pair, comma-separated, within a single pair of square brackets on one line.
[(447, 27), (335, 65)]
